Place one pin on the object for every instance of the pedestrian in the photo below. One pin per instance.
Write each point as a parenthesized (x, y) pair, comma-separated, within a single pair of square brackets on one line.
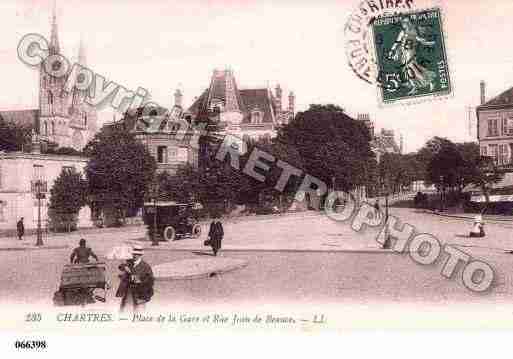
[(377, 208), (81, 254), (478, 227), (215, 234), (136, 286), (20, 229)]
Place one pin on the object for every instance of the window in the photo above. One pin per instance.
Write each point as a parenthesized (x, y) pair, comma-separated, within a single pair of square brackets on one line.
[(162, 154), (3, 206), (503, 154), (68, 169), (493, 127), (39, 173), (494, 153), (46, 129), (504, 126), (483, 151), (85, 119), (50, 97), (173, 152), (53, 128), (256, 117)]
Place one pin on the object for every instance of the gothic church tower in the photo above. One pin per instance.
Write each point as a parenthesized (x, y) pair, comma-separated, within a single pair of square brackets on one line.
[(64, 118)]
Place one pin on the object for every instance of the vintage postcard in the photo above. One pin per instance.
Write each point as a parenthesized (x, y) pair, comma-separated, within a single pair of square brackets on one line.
[(175, 168)]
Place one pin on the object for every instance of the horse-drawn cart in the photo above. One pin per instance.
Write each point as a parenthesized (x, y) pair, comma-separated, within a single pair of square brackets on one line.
[(79, 282)]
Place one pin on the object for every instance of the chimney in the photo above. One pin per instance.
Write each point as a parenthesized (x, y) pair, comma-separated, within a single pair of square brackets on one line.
[(292, 102), (178, 98), (483, 92), (278, 98)]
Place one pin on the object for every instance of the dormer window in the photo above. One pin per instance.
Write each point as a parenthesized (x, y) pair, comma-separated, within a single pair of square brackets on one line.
[(216, 105), (256, 116)]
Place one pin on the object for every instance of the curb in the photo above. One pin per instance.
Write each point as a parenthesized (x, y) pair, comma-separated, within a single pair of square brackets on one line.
[(207, 274), (33, 248), (465, 217), (268, 250)]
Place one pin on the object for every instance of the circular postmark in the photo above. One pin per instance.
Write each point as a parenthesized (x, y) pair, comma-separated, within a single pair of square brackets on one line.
[(358, 39)]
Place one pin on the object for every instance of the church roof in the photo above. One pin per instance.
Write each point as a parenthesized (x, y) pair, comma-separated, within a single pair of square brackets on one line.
[(23, 118)]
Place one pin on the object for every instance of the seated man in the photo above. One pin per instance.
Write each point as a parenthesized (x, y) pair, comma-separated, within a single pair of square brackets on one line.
[(81, 254)]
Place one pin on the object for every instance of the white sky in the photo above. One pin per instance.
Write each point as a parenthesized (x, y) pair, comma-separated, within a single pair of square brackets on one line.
[(161, 45)]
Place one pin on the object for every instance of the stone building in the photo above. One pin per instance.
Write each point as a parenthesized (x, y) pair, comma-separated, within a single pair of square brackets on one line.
[(62, 118), (19, 172), (495, 127)]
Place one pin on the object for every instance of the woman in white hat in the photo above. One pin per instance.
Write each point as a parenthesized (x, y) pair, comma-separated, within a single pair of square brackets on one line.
[(136, 287), (478, 227)]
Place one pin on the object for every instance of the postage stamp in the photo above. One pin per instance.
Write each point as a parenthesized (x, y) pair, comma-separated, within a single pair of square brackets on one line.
[(411, 56)]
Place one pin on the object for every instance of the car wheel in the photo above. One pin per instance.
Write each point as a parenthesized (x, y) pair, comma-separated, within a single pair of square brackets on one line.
[(196, 230), (169, 234)]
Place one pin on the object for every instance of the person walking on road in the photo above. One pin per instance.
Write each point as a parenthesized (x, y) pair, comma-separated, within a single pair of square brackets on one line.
[(136, 286), (81, 254), (215, 235), (377, 208), (20, 227)]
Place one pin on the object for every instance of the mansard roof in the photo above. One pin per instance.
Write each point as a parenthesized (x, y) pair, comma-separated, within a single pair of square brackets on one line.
[(504, 99), (224, 87)]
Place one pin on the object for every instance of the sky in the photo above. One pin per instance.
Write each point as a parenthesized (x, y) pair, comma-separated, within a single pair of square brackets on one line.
[(164, 45)]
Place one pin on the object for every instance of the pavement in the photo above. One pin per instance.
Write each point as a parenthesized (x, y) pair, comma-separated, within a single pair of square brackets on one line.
[(197, 268)]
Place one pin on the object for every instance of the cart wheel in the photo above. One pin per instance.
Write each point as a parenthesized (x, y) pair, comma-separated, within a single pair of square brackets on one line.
[(196, 230), (169, 233)]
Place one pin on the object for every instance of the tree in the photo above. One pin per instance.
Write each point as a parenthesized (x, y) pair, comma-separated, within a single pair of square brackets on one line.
[(331, 145), (119, 170), (67, 196), (12, 136)]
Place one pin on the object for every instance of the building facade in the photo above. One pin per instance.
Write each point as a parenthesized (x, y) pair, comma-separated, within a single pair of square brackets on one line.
[(19, 172), (246, 113), (159, 131), (63, 118), (495, 127), (383, 141)]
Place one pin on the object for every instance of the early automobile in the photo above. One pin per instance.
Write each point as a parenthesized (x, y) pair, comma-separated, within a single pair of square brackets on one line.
[(172, 220)]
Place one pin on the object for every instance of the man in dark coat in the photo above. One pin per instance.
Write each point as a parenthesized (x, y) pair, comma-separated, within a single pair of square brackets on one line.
[(81, 254), (20, 228), (136, 287), (215, 235)]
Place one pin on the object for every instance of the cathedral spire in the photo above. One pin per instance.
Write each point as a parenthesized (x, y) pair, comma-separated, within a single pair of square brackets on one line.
[(54, 38)]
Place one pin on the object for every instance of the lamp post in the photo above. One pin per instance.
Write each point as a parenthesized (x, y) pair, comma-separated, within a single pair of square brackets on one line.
[(39, 195), (154, 194)]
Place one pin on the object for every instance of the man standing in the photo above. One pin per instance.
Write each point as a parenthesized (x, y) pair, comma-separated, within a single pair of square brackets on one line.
[(216, 234), (81, 254), (136, 287), (20, 228)]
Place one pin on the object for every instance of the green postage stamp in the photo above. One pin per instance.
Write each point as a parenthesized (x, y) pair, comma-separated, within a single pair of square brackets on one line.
[(411, 57)]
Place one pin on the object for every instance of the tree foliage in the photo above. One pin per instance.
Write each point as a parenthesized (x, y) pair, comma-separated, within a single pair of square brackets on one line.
[(69, 192), (12, 136), (331, 145), (119, 170)]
